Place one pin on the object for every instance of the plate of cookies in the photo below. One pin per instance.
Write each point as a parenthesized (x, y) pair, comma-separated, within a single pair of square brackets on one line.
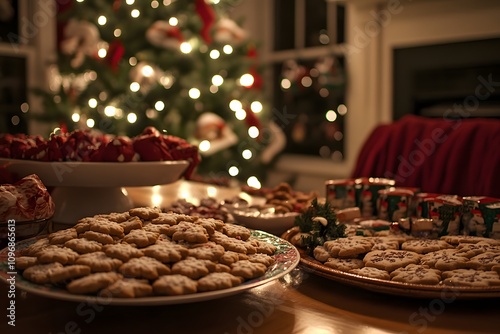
[(452, 267), (144, 256)]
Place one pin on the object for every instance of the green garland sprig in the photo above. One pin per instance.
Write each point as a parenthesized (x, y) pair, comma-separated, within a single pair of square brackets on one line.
[(310, 222)]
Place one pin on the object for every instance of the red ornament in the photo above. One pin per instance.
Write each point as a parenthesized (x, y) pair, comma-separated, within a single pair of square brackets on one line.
[(252, 120), (115, 54), (207, 15)]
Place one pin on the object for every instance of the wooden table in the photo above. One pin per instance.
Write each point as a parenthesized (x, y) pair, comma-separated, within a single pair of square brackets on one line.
[(300, 302)]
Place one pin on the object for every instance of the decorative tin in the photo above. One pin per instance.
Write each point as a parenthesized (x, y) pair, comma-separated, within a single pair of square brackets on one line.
[(393, 203), (473, 214), (340, 193), (367, 193), (445, 212), (492, 220)]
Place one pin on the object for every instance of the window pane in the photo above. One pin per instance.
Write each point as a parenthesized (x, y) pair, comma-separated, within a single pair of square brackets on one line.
[(13, 90), (316, 30), (284, 24), (9, 22), (309, 97), (340, 22)]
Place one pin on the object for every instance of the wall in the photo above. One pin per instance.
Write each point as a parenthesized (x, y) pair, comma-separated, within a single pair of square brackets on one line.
[(374, 28)]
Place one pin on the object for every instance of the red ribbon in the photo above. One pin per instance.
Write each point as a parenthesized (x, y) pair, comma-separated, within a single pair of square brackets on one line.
[(115, 54)]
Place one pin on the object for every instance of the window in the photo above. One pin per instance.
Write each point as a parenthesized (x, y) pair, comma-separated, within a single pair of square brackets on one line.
[(308, 76), (24, 24)]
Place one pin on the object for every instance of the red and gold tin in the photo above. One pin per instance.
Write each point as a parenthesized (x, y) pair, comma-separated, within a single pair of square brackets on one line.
[(474, 210)]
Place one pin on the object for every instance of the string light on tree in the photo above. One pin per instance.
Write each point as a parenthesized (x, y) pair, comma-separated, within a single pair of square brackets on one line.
[(182, 66)]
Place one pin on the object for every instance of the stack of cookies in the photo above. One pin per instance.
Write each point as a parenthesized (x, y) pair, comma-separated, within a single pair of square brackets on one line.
[(145, 252), (451, 260)]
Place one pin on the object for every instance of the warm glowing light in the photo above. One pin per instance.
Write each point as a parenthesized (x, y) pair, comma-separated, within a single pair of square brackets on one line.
[(214, 54), (117, 32), (90, 123), (147, 71), (186, 47), (173, 21), (25, 107), (246, 80), (130, 2), (204, 145), (217, 80), (159, 105), (75, 117), (102, 20), (194, 93), (135, 86), (286, 84), (331, 116), (247, 154), (213, 89), (132, 61), (240, 114), (233, 171), (102, 53), (15, 120), (92, 103), (256, 106), (235, 105), (155, 4), (254, 182), (135, 13), (110, 111), (228, 49), (342, 109), (253, 132), (306, 81), (132, 117), (157, 200)]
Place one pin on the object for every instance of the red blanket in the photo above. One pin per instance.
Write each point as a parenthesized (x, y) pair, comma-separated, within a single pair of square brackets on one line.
[(460, 157)]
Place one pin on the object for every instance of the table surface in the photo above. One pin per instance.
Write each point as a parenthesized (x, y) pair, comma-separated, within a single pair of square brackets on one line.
[(300, 302)]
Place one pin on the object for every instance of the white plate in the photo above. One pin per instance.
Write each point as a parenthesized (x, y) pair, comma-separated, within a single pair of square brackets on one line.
[(275, 224), (286, 258), (99, 174)]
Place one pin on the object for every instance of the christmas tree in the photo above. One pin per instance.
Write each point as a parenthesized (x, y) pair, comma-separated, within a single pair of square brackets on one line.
[(184, 67)]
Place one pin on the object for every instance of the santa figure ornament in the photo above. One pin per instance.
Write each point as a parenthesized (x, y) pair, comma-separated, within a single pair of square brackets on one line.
[(164, 35), (80, 39), (212, 129)]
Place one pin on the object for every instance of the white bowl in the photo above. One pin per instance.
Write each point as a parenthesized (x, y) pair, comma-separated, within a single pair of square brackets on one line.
[(276, 223)]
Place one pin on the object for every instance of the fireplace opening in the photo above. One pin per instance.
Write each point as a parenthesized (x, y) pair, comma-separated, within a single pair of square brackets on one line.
[(452, 80)]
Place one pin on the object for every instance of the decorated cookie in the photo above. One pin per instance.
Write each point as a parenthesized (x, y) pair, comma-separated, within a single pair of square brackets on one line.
[(123, 251), (144, 267), (348, 247), (60, 237), (248, 269), (423, 246), (372, 272), (145, 213), (193, 268), (53, 253), (128, 288), (141, 238), (344, 264), (445, 259), (92, 283), (67, 273), (416, 274), (207, 251), (166, 252), (83, 245), (41, 273), (471, 277), (174, 285), (23, 262), (218, 281), (390, 260), (99, 262), (189, 232), (98, 236)]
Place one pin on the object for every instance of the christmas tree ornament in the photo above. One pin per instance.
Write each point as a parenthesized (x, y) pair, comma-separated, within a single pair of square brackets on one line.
[(81, 39), (146, 75), (215, 133), (226, 31), (163, 35)]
